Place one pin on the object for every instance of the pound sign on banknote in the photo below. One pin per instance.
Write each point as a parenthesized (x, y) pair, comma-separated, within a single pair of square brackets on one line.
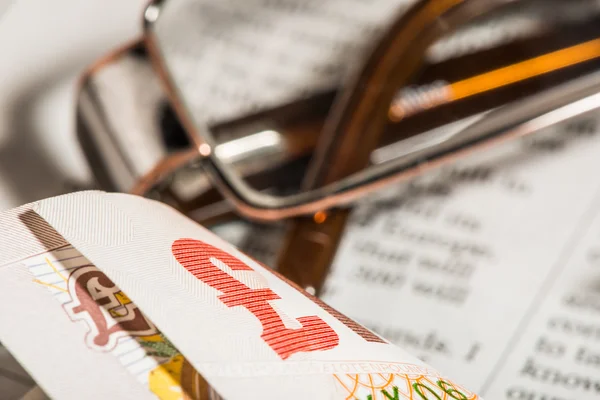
[(202, 260)]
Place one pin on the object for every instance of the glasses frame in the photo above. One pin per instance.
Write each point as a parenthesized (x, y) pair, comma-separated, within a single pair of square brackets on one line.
[(385, 70)]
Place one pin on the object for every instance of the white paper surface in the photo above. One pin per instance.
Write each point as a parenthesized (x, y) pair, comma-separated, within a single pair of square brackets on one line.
[(469, 280), (488, 270)]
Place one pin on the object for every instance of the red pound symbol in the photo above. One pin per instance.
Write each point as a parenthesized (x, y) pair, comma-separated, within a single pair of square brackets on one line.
[(197, 258)]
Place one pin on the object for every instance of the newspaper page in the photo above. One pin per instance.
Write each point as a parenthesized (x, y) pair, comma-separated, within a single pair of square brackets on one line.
[(489, 269)]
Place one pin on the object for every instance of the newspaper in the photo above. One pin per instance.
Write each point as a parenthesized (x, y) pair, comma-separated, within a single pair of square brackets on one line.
[(488, 270)]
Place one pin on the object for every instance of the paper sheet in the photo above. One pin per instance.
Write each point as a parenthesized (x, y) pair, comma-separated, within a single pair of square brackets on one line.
[(477, 279), (488, 270)]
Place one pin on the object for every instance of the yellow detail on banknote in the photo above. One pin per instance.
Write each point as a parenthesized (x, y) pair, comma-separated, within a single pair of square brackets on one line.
[(123, 299), (153, 338), (165, 380), (177, 380)]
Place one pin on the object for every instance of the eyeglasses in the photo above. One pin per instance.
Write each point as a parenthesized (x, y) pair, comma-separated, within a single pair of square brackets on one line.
[(214, 113)]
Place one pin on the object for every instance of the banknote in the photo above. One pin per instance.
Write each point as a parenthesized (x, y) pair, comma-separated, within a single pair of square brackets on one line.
[(123, 297)]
